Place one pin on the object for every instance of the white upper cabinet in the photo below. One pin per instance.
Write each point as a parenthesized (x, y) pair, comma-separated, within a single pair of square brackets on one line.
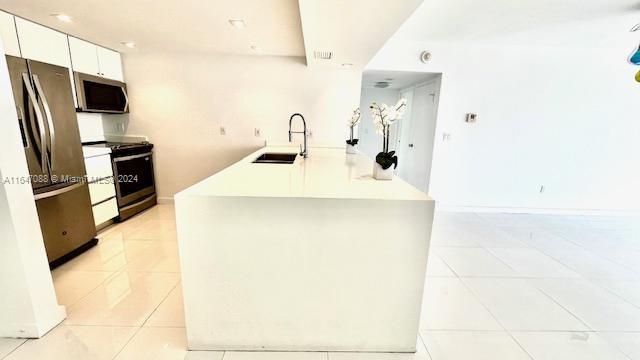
[(84, 56), (110, 64), (8, 34), (91, 59), (43, 44)]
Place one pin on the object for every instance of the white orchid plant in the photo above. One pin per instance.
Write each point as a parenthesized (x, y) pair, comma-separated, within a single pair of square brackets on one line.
[(383, 117), (353, 121)]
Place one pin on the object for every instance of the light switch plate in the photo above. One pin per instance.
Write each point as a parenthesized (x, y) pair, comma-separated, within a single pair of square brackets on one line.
[(223, 130), (256, 132)]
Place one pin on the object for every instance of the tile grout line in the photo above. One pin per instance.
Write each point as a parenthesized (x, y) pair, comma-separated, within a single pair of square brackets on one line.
[(110, 276), (160, 303), (562, 306), (15, 349), (424, 344), (145, 321), (126, 343)]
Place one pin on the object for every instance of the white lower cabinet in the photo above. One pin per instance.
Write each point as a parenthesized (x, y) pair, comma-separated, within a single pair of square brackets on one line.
[(98, 167), (105, 211), (102, 190)]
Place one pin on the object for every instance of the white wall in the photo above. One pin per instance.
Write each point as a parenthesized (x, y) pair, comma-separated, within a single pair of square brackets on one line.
[(562, 118), (181, 100), (28, 307), (370, 142)]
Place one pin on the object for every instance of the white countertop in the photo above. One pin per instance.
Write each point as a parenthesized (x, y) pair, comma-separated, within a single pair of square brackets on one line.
[(325, 173)]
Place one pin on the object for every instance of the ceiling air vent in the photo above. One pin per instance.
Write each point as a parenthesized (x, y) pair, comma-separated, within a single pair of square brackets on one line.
[(323, 55)]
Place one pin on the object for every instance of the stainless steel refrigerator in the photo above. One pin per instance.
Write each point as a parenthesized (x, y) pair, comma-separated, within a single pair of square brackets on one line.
[(51, 141)]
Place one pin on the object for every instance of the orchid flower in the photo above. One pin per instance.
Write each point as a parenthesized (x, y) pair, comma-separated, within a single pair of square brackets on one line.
[(355, 118), (383, 116)]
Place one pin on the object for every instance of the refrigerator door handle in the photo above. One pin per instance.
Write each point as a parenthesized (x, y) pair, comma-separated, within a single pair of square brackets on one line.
[(56, 192), (36, 108), (25, 138), (47, 110)]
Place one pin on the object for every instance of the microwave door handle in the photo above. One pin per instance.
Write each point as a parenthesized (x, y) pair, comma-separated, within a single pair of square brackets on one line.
[(126, 98), (47, 111), (36, 109)]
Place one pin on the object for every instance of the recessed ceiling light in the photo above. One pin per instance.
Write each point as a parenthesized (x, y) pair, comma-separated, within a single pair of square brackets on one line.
[(63, 17), (129, 44), (238, 23)]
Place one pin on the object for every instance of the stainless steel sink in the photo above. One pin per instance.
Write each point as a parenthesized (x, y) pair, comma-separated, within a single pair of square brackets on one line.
[(276, 158)]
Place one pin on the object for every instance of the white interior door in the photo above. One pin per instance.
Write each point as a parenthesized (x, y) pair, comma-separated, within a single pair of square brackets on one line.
[(419, 146), (404, 134)]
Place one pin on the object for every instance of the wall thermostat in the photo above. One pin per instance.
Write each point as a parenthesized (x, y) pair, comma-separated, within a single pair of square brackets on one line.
[(425, 57), (471, 118)]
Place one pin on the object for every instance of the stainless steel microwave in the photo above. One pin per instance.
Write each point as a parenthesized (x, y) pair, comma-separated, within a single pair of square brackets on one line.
[(100, 95)]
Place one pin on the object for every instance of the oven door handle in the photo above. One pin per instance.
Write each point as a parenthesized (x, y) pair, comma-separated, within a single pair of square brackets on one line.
[(131, 157)]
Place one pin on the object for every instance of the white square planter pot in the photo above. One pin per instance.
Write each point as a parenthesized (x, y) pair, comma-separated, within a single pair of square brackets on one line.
[(380, 174), (351, 149)]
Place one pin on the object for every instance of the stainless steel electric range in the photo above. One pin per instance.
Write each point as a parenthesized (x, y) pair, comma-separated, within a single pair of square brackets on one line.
[(133, 173)]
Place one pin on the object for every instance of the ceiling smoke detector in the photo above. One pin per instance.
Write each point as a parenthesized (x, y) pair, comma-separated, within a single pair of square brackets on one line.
[(323, 55), (382, 84)]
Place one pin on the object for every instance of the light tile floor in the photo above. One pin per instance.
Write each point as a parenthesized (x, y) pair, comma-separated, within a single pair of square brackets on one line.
[(498, 287)]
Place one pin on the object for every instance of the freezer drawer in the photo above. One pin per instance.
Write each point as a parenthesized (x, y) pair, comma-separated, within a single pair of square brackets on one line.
[(66, 220), (102, 190)]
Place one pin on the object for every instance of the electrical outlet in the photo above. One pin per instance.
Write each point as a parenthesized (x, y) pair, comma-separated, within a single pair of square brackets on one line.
[(223, 130), (256, 132), (310, 133), (120, 128), (446, 136)]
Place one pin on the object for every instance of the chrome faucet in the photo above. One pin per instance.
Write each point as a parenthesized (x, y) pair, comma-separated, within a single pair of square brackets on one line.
[(304, 123)]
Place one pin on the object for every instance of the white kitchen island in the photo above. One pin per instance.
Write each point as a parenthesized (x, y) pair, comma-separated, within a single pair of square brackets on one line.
[(310, 256)]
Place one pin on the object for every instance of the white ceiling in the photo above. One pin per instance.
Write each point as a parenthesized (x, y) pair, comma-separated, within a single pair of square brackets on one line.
[(523, 22), (354, 30), (184, 25), (396, 79)]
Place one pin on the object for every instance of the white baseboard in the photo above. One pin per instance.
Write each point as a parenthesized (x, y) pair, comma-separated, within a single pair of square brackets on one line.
[(516, 210), (165, 200)]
